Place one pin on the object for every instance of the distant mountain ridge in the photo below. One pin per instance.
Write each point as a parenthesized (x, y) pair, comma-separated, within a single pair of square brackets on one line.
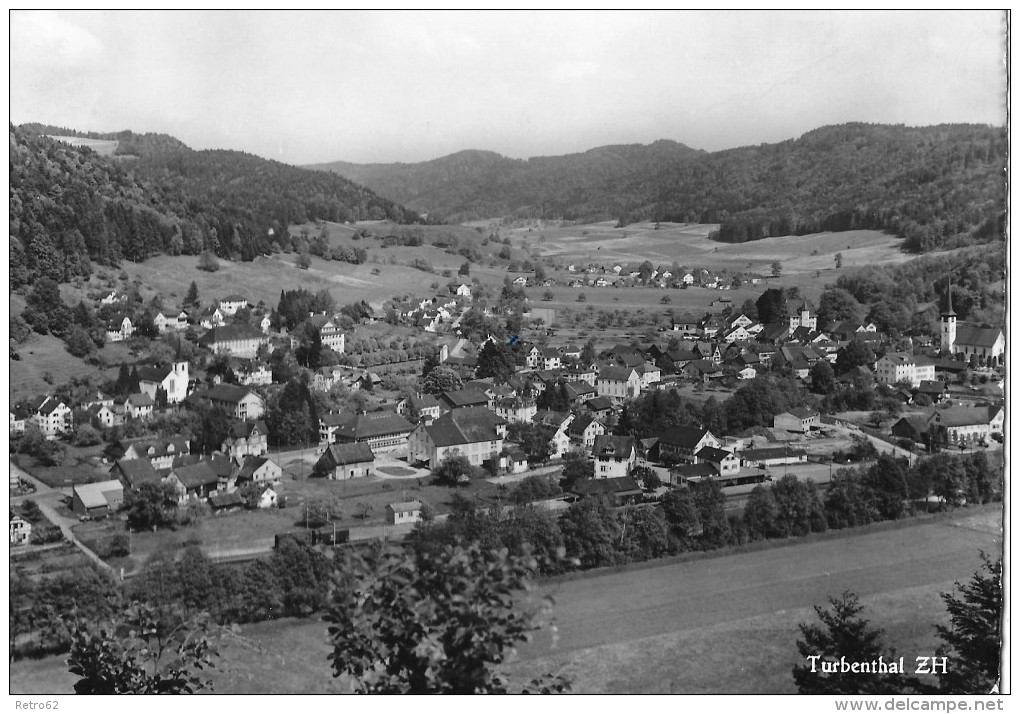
[(938, 186)]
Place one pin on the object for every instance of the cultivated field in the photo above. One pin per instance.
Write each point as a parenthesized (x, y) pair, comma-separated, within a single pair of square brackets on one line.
[(689, 245), (724, 624)]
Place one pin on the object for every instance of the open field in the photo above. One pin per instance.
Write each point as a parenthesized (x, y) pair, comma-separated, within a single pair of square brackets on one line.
[(689, 245), (722, 624), (103, 147)]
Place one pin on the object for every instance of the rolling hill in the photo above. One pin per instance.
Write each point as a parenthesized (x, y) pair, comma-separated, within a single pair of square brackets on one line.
[(938, 187), (71, 207)]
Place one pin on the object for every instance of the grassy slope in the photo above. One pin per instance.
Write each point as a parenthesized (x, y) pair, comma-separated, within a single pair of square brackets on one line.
[(725, 624)]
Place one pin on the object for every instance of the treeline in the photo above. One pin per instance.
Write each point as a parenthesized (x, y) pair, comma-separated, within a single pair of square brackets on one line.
[(294, 581), (70, 207), (592, 534), (937, 187)]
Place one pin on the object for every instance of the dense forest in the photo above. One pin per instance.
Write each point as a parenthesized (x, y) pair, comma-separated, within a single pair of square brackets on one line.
[(70, 207), (938, 187)]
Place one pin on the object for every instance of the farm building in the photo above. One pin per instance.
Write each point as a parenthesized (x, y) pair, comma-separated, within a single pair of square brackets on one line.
[(258, 469), (403, 512), (911, 426), (346, 461), (965, 425), (474, 432), (682, 443), (97, 500)]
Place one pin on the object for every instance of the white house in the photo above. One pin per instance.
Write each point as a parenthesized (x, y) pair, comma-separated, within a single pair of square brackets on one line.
[(615, 456), (232, 303), (618, 383)]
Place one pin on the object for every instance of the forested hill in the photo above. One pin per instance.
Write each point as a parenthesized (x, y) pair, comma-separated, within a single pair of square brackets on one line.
[(938, 187), (70, 207), (470, 185)]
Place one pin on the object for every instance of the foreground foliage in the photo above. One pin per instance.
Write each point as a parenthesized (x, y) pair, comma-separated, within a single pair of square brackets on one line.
[(432, 624)]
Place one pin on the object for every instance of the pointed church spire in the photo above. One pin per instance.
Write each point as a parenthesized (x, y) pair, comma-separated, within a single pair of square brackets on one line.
[(948, 312)]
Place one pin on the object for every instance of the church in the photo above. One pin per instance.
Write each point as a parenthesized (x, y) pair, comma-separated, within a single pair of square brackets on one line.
[(964, 341)]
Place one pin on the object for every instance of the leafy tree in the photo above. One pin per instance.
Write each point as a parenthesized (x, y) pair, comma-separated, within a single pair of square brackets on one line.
[(590, 533), (441, 379), (141, 654), (497, 361), (575, 466), (854, 354), (452, 470), (710, 502), (555, 398), (844, 633), (150, 505), (839, 260), (465, 268), (886, 486), (86, 435), (973, 640), (846, 501), (644, 535), (777, 269), (823, 379), (208, 262), (534, 439), (303, 261), (548, 296), (836, 305), (681, 517), (433, 624), (761, 515), (534, 488), (588, 352)]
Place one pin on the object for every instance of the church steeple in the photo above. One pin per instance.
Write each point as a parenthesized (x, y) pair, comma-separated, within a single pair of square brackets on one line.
[(948, 312), (948, 332)]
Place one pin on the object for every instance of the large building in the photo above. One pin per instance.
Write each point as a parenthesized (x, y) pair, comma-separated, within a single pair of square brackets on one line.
[(474, 432), (381, 430), (239, 402), (896, 367), (985, 344), (238, 340), (682, 443)]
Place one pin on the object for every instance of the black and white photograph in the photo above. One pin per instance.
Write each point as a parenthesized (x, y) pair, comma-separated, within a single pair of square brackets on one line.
[(582, 352)]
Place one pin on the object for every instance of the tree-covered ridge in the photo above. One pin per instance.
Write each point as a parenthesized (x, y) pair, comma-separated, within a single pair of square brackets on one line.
[(938, 187), (70, 207), (470, 185)]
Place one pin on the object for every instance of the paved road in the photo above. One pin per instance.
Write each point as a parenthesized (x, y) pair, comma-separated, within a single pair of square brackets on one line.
[(632, 605)]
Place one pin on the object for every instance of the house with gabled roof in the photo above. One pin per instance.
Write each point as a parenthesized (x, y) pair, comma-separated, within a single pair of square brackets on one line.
[(618, 383), (725, 462), (134, 472), (240, 402), (474, 432), (197, 480), (346, 461), (328, 329), (682, 443), (51, 415), (246, 437), (119, 328), (516, 410), (614, 456), (583, 430), (257, 469), (20, 529), (403, 512), (138, 406)]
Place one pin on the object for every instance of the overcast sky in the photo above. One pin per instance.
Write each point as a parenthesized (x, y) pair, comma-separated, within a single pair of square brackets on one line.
[(306, 87)]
